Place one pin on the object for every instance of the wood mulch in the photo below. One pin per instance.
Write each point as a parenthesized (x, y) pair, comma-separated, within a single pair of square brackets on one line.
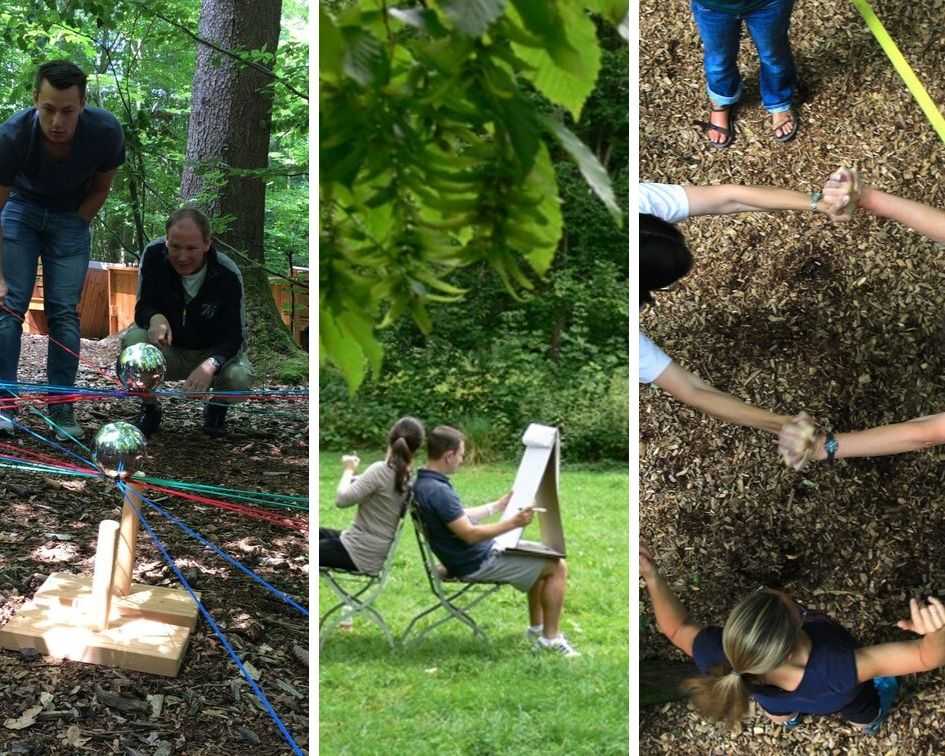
[(792, 313), (50, 524)]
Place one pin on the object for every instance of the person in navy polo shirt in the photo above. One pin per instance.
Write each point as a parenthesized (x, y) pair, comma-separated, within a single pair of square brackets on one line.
[(191, 306), (465, 545), (57, 162)]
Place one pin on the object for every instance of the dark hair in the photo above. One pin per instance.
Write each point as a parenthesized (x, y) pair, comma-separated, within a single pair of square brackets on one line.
[(60, 74), (664, 256), (443, 439), (192, 214), (405, 437)]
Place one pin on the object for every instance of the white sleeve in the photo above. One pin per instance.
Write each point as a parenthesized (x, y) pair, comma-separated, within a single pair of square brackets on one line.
[(653, 360), (667, 202)]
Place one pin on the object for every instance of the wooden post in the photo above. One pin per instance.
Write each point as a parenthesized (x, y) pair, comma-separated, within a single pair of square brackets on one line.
[(102, 577), (127, 542)]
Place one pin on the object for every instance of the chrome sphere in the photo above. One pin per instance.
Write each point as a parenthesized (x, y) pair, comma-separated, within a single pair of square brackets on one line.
[(119, 449), (141, 367)]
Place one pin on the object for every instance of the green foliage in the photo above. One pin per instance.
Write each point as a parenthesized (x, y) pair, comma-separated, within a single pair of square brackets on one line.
[(435, 140)]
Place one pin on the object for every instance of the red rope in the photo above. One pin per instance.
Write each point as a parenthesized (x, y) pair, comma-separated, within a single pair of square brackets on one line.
[(45, 459), (295, 523)]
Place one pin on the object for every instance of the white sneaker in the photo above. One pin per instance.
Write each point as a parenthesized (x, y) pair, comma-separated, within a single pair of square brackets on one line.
[(532, 634), (559, 645)]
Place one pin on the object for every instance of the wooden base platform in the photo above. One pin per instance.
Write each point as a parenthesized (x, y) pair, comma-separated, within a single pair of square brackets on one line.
[(149, 629)]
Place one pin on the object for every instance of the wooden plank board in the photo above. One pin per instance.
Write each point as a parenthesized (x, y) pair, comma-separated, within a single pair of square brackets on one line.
[(132, 643), (168, 605)]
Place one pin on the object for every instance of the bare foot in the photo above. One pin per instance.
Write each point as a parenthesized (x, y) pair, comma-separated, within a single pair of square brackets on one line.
[(718, 118), (783, 125)]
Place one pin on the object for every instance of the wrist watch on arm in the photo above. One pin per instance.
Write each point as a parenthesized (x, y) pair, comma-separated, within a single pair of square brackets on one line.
[(215, 361)]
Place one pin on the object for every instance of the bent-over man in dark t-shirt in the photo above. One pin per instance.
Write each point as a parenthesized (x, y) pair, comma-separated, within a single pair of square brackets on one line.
[(467, 549), (57, 162)]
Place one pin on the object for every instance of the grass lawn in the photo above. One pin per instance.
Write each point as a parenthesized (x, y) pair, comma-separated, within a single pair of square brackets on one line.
[(452, 694)]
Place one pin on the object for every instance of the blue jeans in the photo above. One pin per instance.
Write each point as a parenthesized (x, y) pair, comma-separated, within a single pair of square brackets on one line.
[(63, 241), (768, 27)]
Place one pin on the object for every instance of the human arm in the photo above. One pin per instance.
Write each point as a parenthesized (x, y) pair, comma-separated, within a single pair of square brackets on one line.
[(734, 198), (487, 510), (98, 193), (692, 390), (897, 438), (908, 657), (466, 530), (149, 303), (356, 489), (928, 221), (672, 619)]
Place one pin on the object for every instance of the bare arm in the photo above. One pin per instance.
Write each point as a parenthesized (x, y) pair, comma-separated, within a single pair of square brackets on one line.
[(734, 198), (908, 657), (487, 510), (464, 528), (928, 221), (912, 435), (671, 616), (101, 185), (690, 389)]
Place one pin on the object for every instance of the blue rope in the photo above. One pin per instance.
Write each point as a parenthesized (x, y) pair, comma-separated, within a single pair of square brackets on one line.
[(222, 554), (52, 443), (47, 388), (216, 629)]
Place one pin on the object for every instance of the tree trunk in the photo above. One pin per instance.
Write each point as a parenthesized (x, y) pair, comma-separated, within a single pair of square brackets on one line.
[(230, 123)]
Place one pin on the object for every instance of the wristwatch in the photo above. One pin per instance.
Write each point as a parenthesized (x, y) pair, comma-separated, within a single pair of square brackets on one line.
[(815, 197), (216, 364), (830, 446)]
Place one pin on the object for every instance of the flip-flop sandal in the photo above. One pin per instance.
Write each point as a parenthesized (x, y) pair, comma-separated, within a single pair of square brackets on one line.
[(795, 123), (728, 133)]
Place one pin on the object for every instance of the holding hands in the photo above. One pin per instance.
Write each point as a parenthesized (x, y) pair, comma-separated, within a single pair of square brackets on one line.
[(797, 441), (842, 193)]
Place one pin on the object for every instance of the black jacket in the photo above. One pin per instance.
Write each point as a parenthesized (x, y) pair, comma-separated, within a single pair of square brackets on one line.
[(213, 320)]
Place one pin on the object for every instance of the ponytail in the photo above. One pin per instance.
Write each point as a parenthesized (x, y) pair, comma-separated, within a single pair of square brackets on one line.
[(403, 440), (722, 695)]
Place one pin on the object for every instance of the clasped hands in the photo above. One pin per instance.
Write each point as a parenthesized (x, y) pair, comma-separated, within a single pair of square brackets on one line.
[(842, 194)]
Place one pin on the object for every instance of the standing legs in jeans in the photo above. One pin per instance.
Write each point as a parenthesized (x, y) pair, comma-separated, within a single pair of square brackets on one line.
[(768, 27), (62, 241)]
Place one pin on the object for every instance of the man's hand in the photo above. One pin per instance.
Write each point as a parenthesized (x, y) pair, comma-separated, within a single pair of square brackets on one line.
[(502, 503), (159, 331), (523, 517), (350, 462), (200, 379)]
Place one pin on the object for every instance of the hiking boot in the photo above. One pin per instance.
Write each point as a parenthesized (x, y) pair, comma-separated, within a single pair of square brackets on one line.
[(149, 419), (64, 422), (559, 645), (214, 419)]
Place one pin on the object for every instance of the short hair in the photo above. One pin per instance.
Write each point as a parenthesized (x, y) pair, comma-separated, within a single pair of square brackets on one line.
[(664, 256), (443, 439), (60, 74), (193, 214)]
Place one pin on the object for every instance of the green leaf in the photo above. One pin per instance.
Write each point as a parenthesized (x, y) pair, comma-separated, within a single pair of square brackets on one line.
[(594, 173), (614, 11), (345, 353), (523, 132), (566, 80), (419, 18), (541, 182), (473, 17), (365, 60)]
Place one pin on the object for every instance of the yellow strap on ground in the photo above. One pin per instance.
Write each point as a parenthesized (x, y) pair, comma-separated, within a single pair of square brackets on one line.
[(902, 67)]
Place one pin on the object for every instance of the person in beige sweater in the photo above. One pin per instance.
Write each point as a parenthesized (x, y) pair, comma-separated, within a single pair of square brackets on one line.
[(380, 493)]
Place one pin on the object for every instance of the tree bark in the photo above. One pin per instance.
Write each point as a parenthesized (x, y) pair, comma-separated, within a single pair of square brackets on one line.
[(229, 129)]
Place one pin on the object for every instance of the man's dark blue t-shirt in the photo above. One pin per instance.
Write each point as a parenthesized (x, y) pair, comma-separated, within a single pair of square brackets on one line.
[(830, 681), (438, 505), (98, 146)]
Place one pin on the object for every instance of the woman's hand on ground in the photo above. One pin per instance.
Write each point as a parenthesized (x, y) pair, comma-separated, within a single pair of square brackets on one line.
[(797, 441), (925, 618), (647, 562)]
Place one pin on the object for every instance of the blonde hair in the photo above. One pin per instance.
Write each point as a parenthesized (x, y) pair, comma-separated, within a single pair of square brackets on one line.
[(759, 636)]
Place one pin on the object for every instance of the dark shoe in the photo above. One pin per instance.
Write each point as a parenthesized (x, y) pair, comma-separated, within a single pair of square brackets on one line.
[(64, 422), (728, 133), (149, 420), (214, 419)]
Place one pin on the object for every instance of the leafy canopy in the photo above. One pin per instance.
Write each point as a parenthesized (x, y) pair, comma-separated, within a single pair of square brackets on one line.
[(435, 125)]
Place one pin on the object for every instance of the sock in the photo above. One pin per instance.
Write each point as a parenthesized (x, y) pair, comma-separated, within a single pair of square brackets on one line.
[(536, 628)]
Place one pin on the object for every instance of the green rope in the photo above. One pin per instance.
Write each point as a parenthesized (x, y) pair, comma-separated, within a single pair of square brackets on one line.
[(49, 469), (279, 501)]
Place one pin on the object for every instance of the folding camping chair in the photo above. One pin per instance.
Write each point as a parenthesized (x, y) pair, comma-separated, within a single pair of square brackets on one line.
[(358, 591), (455, 596)]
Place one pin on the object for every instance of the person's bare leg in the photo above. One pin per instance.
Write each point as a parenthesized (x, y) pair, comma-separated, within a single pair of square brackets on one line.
[(535, 617), (552, 598)]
